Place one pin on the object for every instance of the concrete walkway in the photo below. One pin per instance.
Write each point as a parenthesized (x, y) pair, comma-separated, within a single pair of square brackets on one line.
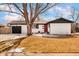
[(53, 35), (4, 37), (52, 54)]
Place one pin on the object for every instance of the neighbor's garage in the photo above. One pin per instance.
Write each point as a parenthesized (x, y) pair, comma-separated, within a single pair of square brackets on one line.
[(60, 26), (19, 29), (16, 29)]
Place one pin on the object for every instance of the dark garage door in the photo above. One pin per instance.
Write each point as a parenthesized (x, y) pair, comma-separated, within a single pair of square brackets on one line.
[(16, 29)]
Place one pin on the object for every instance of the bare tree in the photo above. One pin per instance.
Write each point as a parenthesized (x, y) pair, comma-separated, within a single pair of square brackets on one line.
[(30, 11), (75, 16)]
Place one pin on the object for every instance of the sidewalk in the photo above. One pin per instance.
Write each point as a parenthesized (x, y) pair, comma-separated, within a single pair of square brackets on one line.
[(10, 36), (42, 54)]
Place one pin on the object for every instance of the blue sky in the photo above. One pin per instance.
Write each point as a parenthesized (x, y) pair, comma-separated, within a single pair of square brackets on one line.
[(2, 20), (59, 10)]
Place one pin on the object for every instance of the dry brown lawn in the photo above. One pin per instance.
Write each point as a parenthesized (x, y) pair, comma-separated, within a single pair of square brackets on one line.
[(42, 44)]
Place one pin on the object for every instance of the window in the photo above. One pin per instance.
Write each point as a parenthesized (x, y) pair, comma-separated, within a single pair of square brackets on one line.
[(16, 29), (37, 26)]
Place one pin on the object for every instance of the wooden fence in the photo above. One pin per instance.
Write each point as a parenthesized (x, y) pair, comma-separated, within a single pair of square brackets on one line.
[(5, 30)]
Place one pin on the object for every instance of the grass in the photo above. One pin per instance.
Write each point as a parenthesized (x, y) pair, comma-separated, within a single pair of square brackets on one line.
[(42, 44)]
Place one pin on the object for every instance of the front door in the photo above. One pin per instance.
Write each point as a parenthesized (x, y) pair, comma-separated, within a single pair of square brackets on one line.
[(45, 28)]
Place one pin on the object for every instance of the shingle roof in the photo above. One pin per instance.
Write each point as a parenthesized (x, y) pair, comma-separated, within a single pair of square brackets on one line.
[(61, 20), (17, 23), (23, 22)]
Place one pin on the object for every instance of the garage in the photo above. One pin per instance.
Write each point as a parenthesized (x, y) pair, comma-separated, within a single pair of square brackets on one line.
[(60, 26), (16, 29)]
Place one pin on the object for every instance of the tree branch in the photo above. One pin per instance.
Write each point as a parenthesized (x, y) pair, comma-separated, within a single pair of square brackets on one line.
[(9, 7), (77, 18), (44, 10), (11, 12), (18, 8), (74, 15)]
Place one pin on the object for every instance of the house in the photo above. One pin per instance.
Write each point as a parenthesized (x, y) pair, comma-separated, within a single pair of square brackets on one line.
[(40, 26), (20, 27), (4, 29), (1, 25), (77, 27), (58, 26)]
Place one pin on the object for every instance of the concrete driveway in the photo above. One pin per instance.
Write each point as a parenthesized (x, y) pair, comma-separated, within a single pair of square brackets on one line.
[(10, 36)]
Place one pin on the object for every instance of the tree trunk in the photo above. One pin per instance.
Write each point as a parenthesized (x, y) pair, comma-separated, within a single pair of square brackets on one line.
[(29, 29)]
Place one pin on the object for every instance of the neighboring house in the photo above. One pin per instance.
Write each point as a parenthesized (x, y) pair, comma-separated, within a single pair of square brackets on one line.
[(1, 26), (77, 27), (58, 26), (20, 27), (4, 29)]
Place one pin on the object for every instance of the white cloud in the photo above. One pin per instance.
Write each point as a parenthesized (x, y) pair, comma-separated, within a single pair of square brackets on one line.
[(6, 7), (11, 17), (64, 12)]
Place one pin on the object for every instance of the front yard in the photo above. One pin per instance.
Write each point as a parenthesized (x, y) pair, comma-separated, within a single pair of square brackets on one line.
[(46, 45)]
